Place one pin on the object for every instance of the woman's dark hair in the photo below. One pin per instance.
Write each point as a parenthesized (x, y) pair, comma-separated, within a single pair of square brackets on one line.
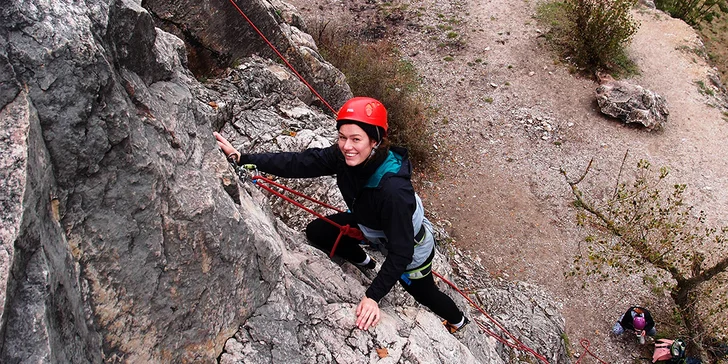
[(374, 132), (381, 151)]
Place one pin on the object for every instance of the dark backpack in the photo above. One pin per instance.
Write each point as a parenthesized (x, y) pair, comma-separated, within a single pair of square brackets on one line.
[(677, 349)]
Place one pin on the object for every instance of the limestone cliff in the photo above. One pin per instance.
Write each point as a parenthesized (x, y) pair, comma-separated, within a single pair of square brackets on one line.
[(127, 237)]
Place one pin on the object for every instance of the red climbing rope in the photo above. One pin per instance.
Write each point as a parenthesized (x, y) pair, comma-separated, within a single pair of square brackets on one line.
[(282, 57), (343, 230), (517, 345), (585, 344), (357, 234), (299, 194)]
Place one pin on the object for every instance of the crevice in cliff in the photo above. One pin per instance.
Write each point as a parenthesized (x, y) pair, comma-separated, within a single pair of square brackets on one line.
[(203, 61)]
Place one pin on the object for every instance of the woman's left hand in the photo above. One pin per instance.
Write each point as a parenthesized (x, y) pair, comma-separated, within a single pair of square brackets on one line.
[(367, 313)]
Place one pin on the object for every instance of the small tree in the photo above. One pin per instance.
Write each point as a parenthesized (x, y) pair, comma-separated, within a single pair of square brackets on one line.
[(645, 224), (603, 27), (693, 11), (592, 34)]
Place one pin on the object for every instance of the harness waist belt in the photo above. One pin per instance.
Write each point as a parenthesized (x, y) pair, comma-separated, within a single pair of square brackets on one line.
[(420, 234)]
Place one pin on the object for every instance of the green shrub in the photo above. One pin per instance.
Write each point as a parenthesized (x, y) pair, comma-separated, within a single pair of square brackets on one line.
[(591, 34), (693, 11), (376, 69)]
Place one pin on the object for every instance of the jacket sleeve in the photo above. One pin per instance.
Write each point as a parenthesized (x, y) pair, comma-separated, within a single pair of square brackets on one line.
[(649, 322), (398, 206), (626, 321), (313, 162)]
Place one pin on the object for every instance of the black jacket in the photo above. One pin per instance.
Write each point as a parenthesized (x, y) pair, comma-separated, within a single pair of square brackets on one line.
[(388, 206), (627, 319)]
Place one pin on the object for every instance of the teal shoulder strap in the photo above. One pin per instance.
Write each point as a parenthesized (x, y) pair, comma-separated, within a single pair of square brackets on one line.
[(392, 164)]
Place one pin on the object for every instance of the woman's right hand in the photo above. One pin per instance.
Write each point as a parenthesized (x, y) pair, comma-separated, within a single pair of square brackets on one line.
[(367, 313), (230, 152)]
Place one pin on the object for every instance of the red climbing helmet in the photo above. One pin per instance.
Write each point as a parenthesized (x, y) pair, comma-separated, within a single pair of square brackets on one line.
[(365, 110), (639, 323)]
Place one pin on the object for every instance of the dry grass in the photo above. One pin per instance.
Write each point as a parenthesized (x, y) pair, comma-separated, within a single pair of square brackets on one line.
[(375, 69), (715, 37)]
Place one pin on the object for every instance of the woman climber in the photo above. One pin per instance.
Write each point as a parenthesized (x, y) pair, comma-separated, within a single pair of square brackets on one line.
[(637, 319), (374, 179)]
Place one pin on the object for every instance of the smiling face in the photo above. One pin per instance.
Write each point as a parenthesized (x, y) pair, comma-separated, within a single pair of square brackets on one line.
[(355, 144)]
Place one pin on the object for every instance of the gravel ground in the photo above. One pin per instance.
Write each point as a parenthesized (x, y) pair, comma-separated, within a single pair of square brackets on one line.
[(510, 118)]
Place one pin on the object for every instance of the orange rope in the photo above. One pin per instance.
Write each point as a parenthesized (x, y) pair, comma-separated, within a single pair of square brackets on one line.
[(585, 344), (517, 345), (347, 230)]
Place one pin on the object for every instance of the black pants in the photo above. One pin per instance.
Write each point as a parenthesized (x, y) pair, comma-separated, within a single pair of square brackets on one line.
[(323, 235)]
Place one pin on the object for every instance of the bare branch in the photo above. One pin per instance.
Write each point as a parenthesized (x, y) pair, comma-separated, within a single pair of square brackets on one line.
[(644, 251), (619, 175), (708, 274), (572, 184)]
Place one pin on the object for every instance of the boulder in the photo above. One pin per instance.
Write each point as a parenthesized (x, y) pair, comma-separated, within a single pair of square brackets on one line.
[(632, 104), (648, 3)]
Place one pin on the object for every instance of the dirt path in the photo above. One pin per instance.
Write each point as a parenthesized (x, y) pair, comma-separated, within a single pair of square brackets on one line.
[(511, 119), (507, 201)]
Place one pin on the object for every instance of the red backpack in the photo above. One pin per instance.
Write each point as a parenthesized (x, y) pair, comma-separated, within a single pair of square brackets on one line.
[(672, 350)]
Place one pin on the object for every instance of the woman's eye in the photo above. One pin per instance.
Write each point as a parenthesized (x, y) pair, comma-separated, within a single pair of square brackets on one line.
[(356, 140)]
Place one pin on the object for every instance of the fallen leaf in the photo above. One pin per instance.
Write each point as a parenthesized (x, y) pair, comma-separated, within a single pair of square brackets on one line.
[(213, 104), (383, 352)]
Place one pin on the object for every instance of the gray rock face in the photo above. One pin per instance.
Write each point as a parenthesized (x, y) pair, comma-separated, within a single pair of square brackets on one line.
[(217, 35), (309, 318), (126, 236), (13, 161), (632, 104), (284, 124), (125, 245)]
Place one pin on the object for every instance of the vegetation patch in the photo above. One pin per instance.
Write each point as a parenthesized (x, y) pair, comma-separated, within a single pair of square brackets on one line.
[(591, 34), (376, 69), (694, 11), (703, 89), (710, 19), (715, 38)]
